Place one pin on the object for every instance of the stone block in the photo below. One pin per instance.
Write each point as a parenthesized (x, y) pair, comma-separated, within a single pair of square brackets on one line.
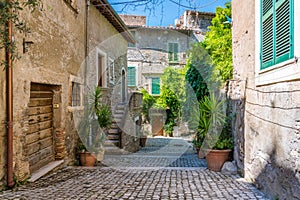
[(229, 168)]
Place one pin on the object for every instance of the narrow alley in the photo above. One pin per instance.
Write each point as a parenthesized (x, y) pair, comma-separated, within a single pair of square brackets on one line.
[(165, 169)]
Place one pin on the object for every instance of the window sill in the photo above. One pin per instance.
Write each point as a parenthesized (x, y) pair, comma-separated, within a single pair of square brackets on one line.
[(282, 72)]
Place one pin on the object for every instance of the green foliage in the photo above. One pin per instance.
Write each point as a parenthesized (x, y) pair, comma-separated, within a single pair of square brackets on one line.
[(169, 127), (15, 7), (213, 123), (218, 43), (97, 118), (102, 111), (198, 81), (169, 100), (174, 80), (19, 183), (148, 102)]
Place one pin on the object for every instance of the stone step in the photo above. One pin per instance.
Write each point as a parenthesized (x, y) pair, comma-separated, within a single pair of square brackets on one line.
[(113, 150), (113, 137), (114, 125), (114, 131), (120, 106), (117, 120), (118, 116), (45, 170), (112, 143), (119, 112)]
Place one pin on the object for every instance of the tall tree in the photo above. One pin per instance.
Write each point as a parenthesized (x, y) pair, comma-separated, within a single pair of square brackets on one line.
[(218, 43)]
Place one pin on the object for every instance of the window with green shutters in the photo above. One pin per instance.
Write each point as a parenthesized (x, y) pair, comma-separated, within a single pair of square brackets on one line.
[(131, 76), (277, 32), (173, 52), (155, 86)]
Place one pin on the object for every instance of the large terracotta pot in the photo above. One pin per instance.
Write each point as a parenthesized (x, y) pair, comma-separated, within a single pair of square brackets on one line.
[(87, 159), (216, 158)]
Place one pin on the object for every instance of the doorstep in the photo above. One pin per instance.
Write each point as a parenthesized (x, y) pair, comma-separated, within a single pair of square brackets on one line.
[(45, 170)]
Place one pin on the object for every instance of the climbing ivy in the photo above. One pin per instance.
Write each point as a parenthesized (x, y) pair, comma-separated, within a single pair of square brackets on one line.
[(11, 10)]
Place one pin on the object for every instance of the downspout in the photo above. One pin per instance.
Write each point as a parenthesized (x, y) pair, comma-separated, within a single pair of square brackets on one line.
[(86, 50), (9, 103)]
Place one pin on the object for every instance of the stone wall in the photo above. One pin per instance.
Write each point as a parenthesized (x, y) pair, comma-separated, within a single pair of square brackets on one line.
[(195, 20), (131, 132), (269, 113), (150, 56), (56, 57)]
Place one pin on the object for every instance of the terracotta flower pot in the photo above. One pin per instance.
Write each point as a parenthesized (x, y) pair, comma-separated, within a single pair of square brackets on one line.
[(216, 158), (143, 141), (87, 159)]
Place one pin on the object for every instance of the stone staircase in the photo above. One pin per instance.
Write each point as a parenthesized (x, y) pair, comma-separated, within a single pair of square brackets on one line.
[(113, 142)]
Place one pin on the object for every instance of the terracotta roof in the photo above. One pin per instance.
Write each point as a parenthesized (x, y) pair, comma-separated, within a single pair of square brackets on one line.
[(110, 14), (179, 29)]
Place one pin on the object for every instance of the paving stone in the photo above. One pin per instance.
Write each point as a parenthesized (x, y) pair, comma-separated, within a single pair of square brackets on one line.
[(164, 169)]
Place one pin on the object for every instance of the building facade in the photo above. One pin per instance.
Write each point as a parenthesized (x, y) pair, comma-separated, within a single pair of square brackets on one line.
[(265, 94), (72, 51), (159, 47)]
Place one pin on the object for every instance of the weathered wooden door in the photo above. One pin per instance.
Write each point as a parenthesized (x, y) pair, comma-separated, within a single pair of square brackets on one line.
[(39, 138), (157, 122)]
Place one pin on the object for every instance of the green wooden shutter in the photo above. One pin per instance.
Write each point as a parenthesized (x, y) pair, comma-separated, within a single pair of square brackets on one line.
[(276, 32), (173, 52), (155, 86), (284, 31), (170, 48), (131, 76)]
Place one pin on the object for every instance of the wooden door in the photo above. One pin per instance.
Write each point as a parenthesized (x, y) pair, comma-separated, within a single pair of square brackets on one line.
[(39, 138)]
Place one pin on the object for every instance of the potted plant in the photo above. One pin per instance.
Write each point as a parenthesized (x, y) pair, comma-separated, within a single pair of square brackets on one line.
[(92, 130), (213, 125)]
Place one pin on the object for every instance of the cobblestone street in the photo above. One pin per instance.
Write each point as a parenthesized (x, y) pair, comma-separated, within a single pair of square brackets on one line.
[(164, 169)]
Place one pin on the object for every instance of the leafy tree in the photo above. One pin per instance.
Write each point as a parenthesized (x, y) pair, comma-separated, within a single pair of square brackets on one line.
[(218, 43), (174, 80), (148, 102), (169, 100)]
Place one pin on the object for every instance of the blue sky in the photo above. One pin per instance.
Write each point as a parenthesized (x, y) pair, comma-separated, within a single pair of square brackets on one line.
[(167, 11)]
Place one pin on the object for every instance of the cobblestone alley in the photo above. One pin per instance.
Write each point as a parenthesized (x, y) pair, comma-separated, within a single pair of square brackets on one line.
[(164, 169)]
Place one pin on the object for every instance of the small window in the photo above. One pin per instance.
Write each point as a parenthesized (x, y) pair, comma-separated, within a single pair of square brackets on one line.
[(173, 52), (76, 94), (131, 76), (155, 86), (276, 32), (112, 71), (101, 70)]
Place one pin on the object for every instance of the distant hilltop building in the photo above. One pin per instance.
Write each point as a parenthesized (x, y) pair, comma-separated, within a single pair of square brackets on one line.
[(195, 20)]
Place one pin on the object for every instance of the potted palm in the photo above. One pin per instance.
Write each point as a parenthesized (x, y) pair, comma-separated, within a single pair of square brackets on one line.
[(213, 125), (97, 120)]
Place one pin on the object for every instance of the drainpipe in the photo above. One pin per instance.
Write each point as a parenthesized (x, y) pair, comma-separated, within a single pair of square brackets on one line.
[(9, 102), (86, 50)]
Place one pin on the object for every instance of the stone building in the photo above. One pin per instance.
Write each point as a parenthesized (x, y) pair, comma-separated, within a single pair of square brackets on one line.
[(265, 94), (71, 45), (195, 20), (159, 47)]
